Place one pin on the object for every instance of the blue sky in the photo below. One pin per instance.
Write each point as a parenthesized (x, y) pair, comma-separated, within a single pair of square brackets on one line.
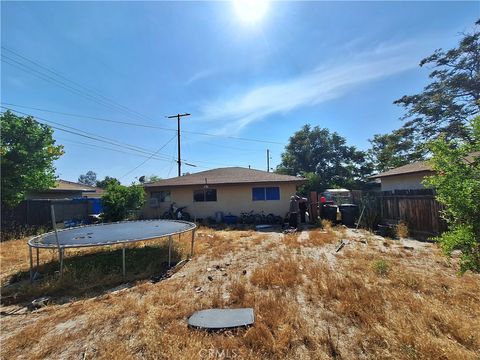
[(336, 65)]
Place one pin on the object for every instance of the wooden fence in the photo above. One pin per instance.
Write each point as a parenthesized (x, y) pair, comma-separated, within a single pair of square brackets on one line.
[(418, 209)]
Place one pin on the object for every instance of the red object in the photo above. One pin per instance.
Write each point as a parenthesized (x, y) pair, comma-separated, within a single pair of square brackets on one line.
[(323, 199)]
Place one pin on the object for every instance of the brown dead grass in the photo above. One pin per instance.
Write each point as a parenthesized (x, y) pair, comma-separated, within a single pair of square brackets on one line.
[(306, 307), (281, 273)]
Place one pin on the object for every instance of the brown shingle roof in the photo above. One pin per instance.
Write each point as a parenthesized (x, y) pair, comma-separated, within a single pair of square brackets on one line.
[(231, 175), (418, 166), (64, 185)]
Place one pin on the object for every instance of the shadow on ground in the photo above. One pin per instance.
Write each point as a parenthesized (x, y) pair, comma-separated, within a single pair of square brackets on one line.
[(88, 275)]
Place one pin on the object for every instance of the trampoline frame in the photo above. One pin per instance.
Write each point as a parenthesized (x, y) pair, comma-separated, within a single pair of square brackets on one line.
[(61, 248)]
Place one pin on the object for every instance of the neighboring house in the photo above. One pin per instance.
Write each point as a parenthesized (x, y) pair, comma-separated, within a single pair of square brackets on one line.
[(410, 176), (406, 177), (66, 190), (228, 190)]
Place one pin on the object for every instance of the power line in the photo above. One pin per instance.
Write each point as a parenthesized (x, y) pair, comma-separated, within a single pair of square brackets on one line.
[(54, 81), (103, 139), (143, 162), (75, 131), (144, 125), (58, 74), (73, 142), (107, 102)]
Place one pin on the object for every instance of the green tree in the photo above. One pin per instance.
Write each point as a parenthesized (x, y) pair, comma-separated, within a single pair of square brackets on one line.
[(27, 153), (457, 184), (106, 181), (392, 150), (325, 159), (90, 178), (121, 202), (445, 106)]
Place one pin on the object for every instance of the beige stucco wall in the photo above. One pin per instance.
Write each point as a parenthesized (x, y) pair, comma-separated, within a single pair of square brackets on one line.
[(404, 182), (230, 199)]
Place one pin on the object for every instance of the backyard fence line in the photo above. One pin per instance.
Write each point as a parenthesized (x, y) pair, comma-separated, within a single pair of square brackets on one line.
[(36, 214), (418, 209)]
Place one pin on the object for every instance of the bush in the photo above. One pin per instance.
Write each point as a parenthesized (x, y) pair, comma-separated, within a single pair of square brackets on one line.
[(457, 185), (121, 202)]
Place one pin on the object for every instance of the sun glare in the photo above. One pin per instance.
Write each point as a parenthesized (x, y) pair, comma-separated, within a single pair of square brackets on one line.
[(250, 11)]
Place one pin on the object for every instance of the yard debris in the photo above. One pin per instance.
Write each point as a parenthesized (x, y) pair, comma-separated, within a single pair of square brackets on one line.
[(40, 302), (244, 272), (210, 278), (198, 289), (263, 227), (340, 245), (409, 248), (169, 272), (290, 231)]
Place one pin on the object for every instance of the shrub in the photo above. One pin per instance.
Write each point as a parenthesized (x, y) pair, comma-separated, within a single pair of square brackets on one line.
[(121, 202), (380, 267), (457, 185)]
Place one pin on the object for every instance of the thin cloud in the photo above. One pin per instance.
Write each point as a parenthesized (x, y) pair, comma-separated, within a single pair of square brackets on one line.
[(199, 75), (325, 82)]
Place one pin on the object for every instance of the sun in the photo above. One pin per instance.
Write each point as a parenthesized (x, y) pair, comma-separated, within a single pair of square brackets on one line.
[(250, 11)]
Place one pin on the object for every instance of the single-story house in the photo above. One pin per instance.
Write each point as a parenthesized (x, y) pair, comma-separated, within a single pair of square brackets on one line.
[(230, 190), (406, 177), (410, 176), (64, 189)]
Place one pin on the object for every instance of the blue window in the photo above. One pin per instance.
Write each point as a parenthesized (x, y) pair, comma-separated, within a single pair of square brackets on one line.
[(268, 193), (258, 194), (272, 193)]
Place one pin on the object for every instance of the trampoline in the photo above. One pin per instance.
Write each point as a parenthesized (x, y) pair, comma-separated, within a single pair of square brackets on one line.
[(109, 234)]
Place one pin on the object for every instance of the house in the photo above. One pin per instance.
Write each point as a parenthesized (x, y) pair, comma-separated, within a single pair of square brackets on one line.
[(66, 190), (410, 176), (406, 177), (228, 190)]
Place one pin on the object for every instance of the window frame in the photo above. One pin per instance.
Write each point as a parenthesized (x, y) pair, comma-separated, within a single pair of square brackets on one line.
[(163, 196), (204, 193), (265, 197)]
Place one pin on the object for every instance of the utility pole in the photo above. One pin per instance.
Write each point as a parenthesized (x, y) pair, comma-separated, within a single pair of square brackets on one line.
[(179, 161), (268, 160)]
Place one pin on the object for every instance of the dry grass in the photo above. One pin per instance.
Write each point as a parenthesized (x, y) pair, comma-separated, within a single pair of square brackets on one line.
[(402, 230), (279, 273), (342, 306)]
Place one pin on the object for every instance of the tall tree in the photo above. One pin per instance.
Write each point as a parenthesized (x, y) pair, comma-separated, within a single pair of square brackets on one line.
[(90, 178), (325, 159), (445, 106), (106, 181), (27, 153), (398, 148)]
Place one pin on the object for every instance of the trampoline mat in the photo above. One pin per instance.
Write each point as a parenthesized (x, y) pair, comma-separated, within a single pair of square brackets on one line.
[(114, 233)]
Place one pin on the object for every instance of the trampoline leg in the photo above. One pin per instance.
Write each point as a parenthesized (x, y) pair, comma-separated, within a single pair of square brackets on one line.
[(123, 260), (31, 263), (169, 250), (193, 239), (61, 262)]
